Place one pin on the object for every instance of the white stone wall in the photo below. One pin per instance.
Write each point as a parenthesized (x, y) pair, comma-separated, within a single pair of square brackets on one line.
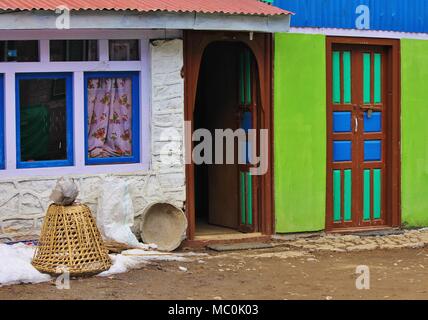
[(24, 200)]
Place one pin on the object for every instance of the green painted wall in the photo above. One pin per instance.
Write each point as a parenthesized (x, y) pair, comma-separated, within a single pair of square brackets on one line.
[(300, 132), (414, 132)]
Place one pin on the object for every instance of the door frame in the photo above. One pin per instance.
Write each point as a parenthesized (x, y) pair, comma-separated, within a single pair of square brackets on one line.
[(261, 46), (393, 153)]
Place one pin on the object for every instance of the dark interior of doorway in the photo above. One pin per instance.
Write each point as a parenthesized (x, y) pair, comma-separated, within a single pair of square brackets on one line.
[(216, 185)]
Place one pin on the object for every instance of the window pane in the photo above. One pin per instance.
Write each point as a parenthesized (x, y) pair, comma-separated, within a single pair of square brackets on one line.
[(43, 125), (123, 50), (19, 51), (109, 117), (73, 50)]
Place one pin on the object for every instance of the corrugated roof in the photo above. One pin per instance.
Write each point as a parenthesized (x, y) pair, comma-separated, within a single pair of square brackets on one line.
[(243, 7), (387, 15)]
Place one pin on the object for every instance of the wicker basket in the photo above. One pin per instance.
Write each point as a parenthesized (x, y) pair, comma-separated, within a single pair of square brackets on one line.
[(70, 239)]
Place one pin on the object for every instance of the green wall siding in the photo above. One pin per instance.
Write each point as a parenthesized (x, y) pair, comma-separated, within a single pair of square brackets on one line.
[(414, 132), (300, 132)]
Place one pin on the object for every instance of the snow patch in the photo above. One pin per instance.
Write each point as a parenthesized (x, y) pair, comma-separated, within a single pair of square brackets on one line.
[(15, 266), (135, 258)]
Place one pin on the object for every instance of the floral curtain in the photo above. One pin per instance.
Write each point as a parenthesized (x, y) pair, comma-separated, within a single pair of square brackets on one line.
[(110, 117)]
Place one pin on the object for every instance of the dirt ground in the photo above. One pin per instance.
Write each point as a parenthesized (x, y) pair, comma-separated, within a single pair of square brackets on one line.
[(275, 273)]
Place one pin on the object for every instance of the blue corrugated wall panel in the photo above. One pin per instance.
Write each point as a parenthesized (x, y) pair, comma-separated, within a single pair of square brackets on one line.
[(387, 15)]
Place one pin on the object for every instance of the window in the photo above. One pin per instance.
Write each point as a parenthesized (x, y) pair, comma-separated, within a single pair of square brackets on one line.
[(2, 160), (44, 120), (112, 117), (73, 50), (124, 50), (19, 51)]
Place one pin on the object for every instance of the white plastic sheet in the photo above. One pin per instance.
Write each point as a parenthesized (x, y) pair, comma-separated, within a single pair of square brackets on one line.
[(115, 212)]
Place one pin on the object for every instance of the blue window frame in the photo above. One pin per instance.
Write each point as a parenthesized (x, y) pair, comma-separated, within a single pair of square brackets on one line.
[(66, 81), (134, 157), (2, 158)]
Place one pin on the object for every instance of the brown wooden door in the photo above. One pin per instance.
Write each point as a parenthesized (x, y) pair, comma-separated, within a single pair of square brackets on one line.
[(358, 124)]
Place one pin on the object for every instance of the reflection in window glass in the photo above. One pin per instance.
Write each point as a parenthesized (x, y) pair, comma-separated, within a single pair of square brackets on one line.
[(123, 50), (43, 123), (73, 50), (109, 117), (19, 51)]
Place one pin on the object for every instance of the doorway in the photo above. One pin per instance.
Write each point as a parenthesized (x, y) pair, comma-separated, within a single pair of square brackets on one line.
[(228, 85), (363, 134), (226, 98)]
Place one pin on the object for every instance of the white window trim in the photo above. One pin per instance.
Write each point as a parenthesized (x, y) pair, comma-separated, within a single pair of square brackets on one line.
[(78, 69)]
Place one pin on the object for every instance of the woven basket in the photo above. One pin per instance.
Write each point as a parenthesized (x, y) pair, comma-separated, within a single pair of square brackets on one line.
[(70, 241)]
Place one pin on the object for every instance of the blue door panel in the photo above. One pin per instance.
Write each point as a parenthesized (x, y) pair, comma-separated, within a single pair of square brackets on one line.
[(372, 150), (342, 121), (342, 151), (373, 123)]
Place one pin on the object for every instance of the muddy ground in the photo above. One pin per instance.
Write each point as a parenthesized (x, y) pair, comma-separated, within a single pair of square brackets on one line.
[(275, 273)]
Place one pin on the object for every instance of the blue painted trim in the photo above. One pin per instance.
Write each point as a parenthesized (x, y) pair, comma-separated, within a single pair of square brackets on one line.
[(247, 121), (135, 76), (2, 124), (69, 120), (247, 124), (374, 123), (342, 151), (372, 150), (342, 121)]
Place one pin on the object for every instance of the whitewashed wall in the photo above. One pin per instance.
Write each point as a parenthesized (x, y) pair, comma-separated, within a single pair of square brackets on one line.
[(24, 198)]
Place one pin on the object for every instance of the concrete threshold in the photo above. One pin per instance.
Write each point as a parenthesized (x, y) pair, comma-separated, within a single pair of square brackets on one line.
[(240, 246), (296, 236), (205, 240), (363, 231)]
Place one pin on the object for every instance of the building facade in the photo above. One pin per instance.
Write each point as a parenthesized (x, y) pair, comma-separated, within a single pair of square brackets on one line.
[(350, 137), (99, 92)]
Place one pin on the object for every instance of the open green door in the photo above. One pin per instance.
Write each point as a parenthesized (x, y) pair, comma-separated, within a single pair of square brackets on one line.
[(247, 120)]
